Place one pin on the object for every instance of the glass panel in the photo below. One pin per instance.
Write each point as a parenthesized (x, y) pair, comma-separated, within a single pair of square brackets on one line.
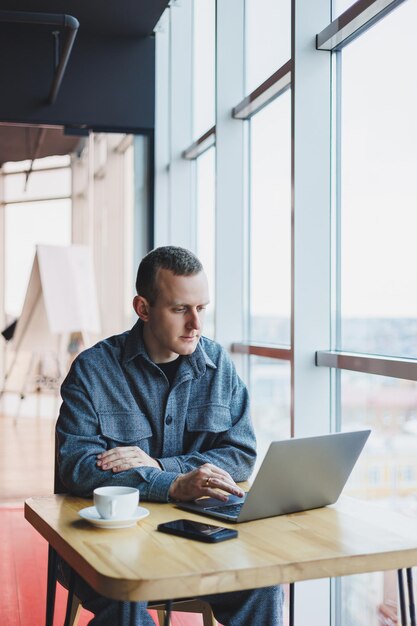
[(270, 393), (204, 66), (370, 599), (386, 473), (27, 225), (378, 296), (379, 188), (270, 223), (268, 39), (387, 468), (39, 185), (130, 232), (206, 222), (52, 161)]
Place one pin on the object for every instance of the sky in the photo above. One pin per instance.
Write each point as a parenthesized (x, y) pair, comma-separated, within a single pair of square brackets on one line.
[(379, 164)]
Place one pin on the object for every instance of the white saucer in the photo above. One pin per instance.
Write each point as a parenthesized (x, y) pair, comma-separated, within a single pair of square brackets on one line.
[(91, 515)]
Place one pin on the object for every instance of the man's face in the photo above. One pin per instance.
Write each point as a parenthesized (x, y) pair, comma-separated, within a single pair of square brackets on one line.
[(173, 325)]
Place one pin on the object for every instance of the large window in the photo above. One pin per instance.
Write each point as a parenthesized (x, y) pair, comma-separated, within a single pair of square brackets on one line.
[(205, 166), (379, 189), (270, 223), (316, 195), (36, 213), (378, 199), (269, 230), (387, 469), (204, 66), (268, 39), (270, 401), (378, 299)]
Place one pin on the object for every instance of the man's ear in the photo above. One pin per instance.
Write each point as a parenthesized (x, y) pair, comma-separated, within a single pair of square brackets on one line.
[(141, 306)]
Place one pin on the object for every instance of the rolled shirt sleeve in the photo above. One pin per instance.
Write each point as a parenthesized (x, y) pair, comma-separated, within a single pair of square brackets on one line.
[(79, 443)]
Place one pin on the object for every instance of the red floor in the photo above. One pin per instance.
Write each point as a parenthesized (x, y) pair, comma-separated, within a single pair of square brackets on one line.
[(23, 563)]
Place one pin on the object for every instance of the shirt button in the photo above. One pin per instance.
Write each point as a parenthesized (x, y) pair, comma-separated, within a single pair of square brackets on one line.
[(168, 420)]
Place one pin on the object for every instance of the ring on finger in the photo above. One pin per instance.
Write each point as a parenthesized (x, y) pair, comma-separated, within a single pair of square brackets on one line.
[(208, 479)]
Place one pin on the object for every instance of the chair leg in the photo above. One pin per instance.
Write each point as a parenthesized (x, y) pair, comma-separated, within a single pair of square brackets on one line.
[(168, 609), (161, 617), (51, 586), (75, 611), (187, 606), (208, 617), (74, 606)]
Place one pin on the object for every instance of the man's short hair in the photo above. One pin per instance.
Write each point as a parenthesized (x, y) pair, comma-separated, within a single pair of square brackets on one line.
[(179, 261)]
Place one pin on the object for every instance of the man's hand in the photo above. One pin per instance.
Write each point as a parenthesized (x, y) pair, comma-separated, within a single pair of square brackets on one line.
[(204, 481), (124, 458)]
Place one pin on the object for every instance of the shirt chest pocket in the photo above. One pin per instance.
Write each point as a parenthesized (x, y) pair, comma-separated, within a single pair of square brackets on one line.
[(124, 427), (213, 418)]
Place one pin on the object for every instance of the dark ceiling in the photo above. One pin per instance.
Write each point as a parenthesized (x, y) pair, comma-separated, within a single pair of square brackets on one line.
[(101, 17), (108, 83)]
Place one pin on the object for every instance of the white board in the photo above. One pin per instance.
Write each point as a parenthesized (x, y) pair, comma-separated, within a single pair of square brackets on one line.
[(61, 298), (69, 289)]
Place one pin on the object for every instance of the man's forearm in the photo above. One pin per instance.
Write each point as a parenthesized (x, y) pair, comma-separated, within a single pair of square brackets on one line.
[(82, 477), (238, 462)]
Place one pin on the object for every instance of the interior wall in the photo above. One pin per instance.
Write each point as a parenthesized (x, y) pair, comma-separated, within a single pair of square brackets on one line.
[(103, 206)]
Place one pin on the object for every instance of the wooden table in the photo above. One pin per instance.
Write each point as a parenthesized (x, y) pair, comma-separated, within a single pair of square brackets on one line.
[(140, 563)]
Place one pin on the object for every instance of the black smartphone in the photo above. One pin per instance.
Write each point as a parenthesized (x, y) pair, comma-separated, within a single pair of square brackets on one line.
[(197, 530)]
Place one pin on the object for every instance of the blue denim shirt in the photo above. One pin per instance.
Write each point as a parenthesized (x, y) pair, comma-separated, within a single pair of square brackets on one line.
[(114, 395)]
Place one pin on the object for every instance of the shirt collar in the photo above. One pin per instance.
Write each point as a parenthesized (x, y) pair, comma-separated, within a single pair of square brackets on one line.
[(135, 346)]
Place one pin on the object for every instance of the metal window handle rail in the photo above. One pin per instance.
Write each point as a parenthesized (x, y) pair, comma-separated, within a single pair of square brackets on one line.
[(271, 88), (274, 86), (201, 145), (353, 22), (282, 353), (395, 367)]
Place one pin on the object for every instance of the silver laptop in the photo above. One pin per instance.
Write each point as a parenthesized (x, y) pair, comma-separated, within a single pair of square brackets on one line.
[(295, 475)]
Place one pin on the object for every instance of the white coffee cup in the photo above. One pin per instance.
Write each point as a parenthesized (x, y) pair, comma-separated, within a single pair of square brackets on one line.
[(116, 502)]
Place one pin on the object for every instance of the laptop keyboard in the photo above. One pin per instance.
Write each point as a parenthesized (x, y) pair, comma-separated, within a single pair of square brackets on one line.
[(228, 509)]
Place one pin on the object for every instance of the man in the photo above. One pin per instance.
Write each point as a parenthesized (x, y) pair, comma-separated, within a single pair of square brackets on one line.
[(161, 408)]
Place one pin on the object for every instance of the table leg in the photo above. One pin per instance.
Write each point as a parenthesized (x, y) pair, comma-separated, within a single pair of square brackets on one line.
[(401, 595), (291, 602), (168, 607), (51, 586), (411, 606)]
